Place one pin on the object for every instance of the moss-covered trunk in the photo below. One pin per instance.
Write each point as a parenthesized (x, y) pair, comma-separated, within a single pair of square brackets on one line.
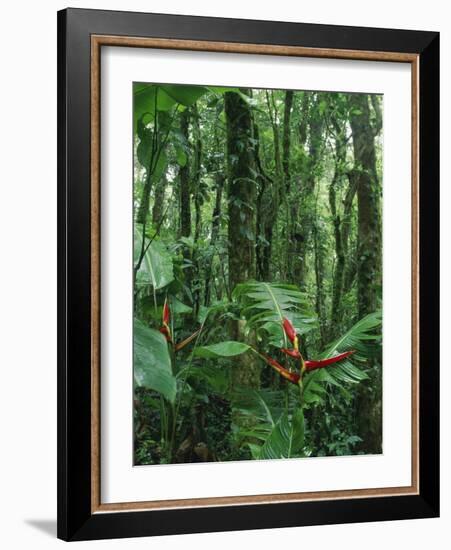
[(241, 227), (368, 399)]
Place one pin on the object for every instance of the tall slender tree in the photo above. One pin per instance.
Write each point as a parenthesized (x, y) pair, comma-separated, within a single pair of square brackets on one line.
[(342, 191), (241, 210), (158, 204), (185, 199), (369, 404), (304, 217)]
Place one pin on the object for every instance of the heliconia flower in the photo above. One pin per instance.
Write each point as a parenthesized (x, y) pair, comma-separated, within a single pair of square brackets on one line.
[(292, 377), (313, 365), (166, 333), (165, 329), (291, 352), (186, 341), (289, 329), (166, 313)]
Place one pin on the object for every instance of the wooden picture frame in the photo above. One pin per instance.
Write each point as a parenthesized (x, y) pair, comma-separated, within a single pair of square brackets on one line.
[(81, 35)]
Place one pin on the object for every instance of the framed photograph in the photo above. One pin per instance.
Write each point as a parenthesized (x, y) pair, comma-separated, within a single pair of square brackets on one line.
[(248, 274)]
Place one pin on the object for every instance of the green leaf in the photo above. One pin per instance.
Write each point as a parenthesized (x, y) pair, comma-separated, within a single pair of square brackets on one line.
[(215, 376), (216, 307), (179, 307), (266, 304), (156, 163), (182, 157), (223, 349), (151, 361), (361, 336), (187, 241), (357, 336), (145, 98), (286, 439), (222, 89), (186, 95), (156, 268)]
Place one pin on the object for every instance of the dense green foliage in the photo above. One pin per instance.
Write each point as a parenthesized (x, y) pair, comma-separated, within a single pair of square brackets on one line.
[(251, 207)]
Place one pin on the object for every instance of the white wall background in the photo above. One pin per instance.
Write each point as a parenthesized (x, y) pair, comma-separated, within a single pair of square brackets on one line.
[(28, 272)]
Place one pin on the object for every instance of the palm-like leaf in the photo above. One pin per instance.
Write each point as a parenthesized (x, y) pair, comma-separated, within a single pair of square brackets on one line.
[(365, 338), (264, 305), (286, 439), (156, 268), (260, 408), (268, 430), (151, 361)]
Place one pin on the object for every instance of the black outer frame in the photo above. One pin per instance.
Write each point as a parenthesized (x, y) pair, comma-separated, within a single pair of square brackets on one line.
[(75, 521)]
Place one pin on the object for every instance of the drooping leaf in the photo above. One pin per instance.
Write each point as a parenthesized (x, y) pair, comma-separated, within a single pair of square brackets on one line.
[(286, 439), (186, 95), (146, 98), (151, 361), (223, 349), (265, 305), (157, 267), (222, 89), (182, 157), (215, 307), (213, 375), (157, 163), (358, 336), (178, 307), (260, 409), (362, 336), (258, 404)]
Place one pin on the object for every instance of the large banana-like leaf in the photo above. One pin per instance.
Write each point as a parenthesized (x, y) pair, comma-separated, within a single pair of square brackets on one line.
[(364, 332), (222, 349), (157, 267), (151, 362), (149, 98), (365, 338), (215, 376), (260, 405), (185, 95), (262, 410), (266, 304), (286, 439)]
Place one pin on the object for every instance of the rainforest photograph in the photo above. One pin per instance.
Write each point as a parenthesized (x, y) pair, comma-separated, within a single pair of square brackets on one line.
[(257, 273)]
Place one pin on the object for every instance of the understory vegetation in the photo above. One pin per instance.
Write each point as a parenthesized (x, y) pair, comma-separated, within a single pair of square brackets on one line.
[(257, 274)]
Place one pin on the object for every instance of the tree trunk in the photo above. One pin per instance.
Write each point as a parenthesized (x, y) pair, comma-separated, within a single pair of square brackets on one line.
[(196, 186), (341, 220), (215, 223), (320, 299), (158, 204), (303, 218), (266, 214), (368, 402), (369, 225), (241, 229), (185, 200), (286, 139), (149, 139)]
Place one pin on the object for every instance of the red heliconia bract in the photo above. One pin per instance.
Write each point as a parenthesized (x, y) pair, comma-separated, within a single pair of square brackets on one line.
[(166, 313), (292, 377), (186, 341), (289, 329), (166, 333), (291, 352), (313, 365)]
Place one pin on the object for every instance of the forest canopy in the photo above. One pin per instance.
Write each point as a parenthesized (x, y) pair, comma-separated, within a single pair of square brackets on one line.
[(257, 273)]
